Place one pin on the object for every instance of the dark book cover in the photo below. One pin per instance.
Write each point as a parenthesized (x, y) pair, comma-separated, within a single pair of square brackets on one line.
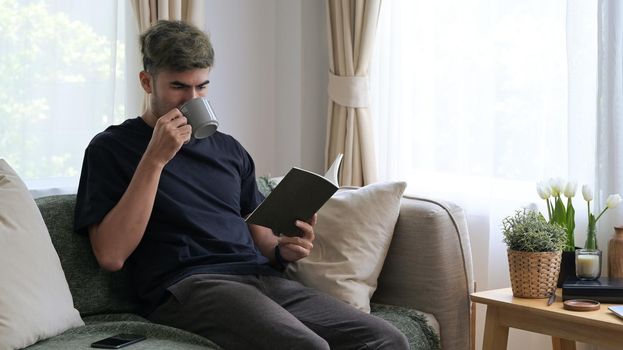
[(603, 289), (298, 196)]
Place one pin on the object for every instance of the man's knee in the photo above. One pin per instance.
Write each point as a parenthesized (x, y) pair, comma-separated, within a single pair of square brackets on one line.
[(310, 343), (295, 336)]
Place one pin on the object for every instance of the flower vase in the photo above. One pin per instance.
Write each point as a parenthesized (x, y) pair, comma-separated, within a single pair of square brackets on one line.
[(591, 236), (567, 267), (615, 254), (588, 260)]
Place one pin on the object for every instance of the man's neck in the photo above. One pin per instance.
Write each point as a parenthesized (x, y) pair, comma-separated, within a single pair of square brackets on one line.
[(149, 118)]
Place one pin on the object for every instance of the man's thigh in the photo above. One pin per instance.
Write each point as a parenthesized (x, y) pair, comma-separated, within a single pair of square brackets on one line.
[(340, 324), (234, 312)]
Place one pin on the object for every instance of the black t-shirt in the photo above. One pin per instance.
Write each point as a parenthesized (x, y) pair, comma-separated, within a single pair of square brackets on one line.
[(197, 223)]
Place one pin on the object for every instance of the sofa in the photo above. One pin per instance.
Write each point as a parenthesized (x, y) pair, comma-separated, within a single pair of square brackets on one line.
[(423, 287)]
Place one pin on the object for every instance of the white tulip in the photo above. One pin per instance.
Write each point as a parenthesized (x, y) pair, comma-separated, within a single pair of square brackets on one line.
[(570, 189), (587, 193), (556, 184), (543, 189), (613, 200)]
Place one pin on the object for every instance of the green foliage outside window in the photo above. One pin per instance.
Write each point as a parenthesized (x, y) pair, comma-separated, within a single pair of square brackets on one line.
[(50, 64)]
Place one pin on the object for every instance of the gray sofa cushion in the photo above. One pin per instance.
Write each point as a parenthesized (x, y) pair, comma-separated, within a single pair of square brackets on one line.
[(93, 289)]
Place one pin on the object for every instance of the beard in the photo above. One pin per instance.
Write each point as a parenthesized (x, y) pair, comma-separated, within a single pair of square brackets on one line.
[(159, 106)]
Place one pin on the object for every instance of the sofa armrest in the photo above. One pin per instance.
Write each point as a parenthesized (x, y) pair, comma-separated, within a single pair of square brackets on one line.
[(429, 267)]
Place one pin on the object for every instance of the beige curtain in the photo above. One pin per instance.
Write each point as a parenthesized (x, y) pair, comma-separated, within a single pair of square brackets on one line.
[(148, 12), (351, 27)]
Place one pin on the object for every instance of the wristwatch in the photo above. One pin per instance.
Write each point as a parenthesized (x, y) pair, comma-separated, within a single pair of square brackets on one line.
[(281, 262)]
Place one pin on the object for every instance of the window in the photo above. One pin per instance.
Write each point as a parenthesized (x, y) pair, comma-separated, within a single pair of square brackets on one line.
[(64, 68), (482, 90), (475, 101)]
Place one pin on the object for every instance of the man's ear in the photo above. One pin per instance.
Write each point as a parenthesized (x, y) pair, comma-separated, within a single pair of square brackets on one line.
[(146, 81)]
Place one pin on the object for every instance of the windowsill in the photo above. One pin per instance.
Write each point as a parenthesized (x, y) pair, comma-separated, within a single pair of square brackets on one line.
[(52, 186)]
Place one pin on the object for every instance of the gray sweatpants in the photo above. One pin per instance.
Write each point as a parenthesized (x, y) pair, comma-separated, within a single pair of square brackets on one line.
[(270, 312)]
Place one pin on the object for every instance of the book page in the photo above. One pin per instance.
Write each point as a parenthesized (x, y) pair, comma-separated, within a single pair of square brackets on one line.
[(332, 173)]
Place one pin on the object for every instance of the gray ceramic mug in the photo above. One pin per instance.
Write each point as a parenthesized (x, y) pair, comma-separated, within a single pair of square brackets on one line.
[(201, 117)]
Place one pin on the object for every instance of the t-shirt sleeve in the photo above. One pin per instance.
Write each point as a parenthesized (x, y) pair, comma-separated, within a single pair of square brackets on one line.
[(100, 188), (250, 195)]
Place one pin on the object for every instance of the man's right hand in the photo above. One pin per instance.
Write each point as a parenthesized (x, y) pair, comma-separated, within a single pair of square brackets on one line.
[(170, 133)]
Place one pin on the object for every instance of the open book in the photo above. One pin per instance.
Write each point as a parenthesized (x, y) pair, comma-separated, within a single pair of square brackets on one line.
[(298, 196)]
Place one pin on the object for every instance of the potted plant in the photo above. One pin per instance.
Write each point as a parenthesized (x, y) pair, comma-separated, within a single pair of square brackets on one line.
[(534, 252)]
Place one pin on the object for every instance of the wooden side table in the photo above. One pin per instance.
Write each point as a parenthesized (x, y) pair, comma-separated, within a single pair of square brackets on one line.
[(566, 327)]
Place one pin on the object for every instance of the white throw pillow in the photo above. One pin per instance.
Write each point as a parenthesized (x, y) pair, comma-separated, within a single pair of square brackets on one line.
[(35, 302), (353, 233)]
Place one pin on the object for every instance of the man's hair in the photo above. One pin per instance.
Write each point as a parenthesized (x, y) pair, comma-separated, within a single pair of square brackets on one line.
[(176, 46)]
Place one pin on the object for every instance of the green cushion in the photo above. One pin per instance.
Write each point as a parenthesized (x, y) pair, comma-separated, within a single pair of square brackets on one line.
[(266, 185), (158, 337), (411, 323), (93, 289)]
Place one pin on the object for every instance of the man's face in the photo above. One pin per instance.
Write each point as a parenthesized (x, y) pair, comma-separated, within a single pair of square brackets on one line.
[(170, 89)]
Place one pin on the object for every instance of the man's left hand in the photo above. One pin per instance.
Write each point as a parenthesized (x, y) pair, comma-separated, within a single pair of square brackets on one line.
[(296, 248)]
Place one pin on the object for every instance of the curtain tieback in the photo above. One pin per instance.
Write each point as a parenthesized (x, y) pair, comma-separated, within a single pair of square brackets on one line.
[(349, 91)]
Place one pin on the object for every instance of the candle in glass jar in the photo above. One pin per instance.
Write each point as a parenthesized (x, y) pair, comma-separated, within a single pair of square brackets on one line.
[(587, 266)]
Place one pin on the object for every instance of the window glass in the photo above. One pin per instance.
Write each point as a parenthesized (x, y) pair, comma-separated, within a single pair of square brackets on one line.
[(63, 66)]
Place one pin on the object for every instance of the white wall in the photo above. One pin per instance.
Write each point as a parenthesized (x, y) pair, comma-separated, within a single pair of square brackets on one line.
[(268, 85), (315, 68)]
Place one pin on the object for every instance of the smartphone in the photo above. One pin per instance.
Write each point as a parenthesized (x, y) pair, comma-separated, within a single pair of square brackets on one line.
[(617, 309), (118, 341)]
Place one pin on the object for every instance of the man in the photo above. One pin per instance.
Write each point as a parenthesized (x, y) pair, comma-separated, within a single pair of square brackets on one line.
[(171, 208)]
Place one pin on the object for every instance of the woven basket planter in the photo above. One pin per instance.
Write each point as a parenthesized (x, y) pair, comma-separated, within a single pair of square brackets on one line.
[(533, 275)]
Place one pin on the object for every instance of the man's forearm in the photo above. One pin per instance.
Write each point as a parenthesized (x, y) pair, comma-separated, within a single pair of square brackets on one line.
[(265, 240)]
